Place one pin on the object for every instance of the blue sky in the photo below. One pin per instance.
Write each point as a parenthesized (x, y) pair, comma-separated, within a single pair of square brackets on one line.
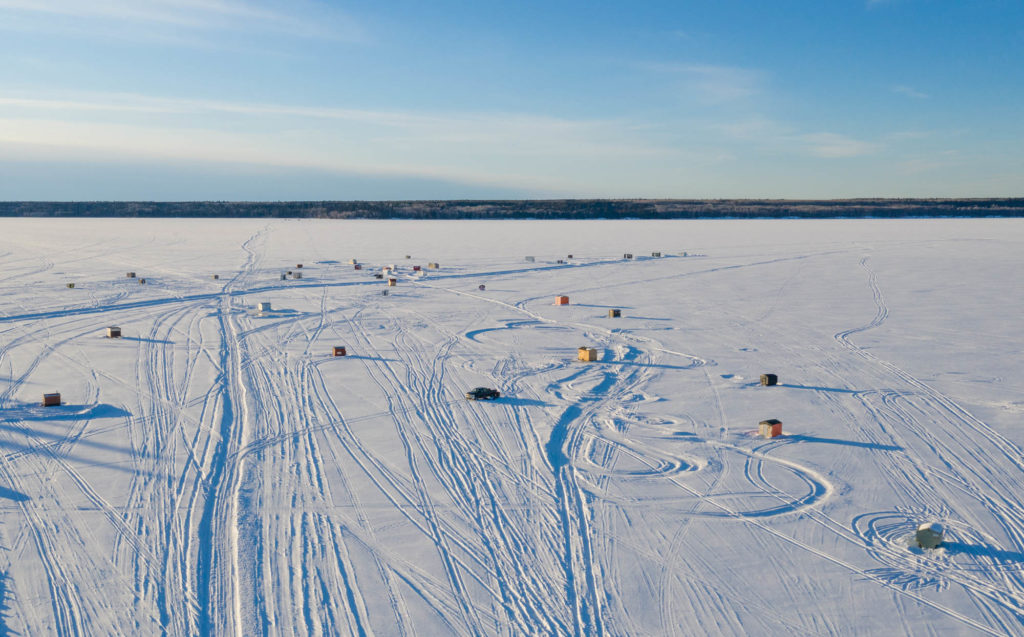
[(304, 99)]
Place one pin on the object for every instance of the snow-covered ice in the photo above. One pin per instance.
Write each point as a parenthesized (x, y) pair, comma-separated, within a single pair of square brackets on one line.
[(218, 471)]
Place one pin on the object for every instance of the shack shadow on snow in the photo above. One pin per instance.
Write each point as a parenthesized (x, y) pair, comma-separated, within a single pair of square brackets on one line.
[(270, 314), (21, 437), (36, 412), (981, 550), (845, 443), (368, 358), (140, 339), (50, 439), (816, 388), (16, 496), (51, 448), (651, 365)]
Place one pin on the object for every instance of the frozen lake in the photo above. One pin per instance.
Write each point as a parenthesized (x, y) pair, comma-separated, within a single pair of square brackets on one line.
[(217, 471)]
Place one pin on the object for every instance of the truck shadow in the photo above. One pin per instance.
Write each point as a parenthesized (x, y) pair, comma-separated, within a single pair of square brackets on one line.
[(522, 402)]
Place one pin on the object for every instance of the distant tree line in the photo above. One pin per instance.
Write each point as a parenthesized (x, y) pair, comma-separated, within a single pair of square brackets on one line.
[(528, 209)]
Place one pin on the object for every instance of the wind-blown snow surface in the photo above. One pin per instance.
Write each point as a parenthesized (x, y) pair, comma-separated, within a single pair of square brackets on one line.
[(217, 471)]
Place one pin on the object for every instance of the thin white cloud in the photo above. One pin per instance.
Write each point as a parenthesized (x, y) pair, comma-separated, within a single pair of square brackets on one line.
[(504, 128), (177, 12), (909, 135), (763, 132), (715, 84), (932, 162), (297, 18), (507, 149), (519, 150), (910, 92), (834, 146), (721, 83), (755, 128), (49, 141)]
